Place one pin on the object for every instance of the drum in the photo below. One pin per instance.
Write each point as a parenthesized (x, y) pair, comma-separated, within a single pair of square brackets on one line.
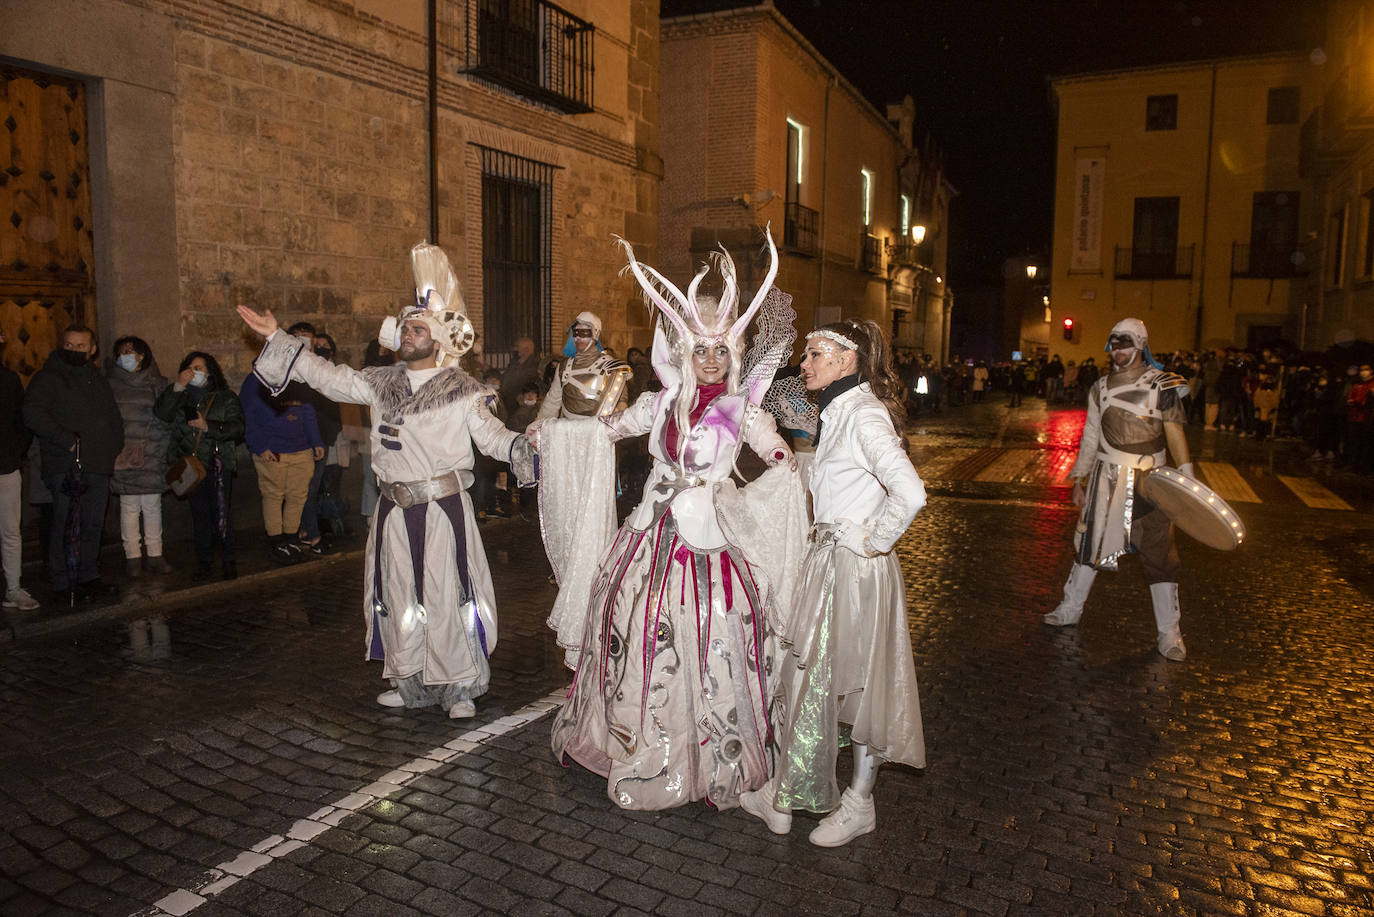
[(1194, 507)]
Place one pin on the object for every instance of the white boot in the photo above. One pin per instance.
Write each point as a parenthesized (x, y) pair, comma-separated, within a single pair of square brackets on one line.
[(1076, 590), (855, 816), (1165, 599), (759, 803)]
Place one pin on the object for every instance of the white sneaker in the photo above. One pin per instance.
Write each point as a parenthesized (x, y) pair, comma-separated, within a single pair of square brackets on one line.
[(759, 803), (391, 698), (854, 817), (463, 710), (20, 598)]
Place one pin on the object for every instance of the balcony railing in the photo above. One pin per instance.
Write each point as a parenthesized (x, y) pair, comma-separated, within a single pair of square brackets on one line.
[(799, 229), (907, 252), (1248, 261), (532, 47), (1166, 264), (872, 255)]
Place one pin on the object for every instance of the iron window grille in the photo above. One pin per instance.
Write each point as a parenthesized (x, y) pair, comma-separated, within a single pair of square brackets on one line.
[(872, 259), (532, 47), (799, 229), (517, 272)]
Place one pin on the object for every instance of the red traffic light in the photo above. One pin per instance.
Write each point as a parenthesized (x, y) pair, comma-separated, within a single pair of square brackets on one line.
[(1068, 329)]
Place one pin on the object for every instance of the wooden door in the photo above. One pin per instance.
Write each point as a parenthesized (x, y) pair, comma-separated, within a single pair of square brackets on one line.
[(46, 279)]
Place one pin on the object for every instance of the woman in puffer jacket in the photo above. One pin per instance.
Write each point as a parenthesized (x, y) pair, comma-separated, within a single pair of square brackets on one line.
[(140, 468)]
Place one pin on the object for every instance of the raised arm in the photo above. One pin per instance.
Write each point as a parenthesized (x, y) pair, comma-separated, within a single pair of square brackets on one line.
[(636, 420), (284, 358)]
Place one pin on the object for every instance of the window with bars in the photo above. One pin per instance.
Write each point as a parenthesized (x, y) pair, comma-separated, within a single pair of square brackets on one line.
[(517, 219), (532, 47)]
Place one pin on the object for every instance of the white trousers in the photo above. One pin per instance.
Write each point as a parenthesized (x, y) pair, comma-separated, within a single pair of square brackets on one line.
[(147, 507), (11, 506)]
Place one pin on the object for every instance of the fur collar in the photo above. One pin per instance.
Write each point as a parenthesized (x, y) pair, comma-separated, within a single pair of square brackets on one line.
[(395, 399)]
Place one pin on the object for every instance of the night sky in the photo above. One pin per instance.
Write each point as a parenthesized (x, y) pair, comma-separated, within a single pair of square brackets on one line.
[(979, 72)]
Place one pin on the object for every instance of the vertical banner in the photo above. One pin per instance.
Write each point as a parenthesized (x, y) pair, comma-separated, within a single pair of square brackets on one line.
[(1089, 176)]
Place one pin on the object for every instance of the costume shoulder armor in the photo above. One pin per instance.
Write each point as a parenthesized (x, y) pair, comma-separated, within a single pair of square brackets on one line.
[(1166, 380)]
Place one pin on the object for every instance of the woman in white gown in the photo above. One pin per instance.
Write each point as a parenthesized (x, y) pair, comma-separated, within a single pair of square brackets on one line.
[(846, 663), (671, 697)]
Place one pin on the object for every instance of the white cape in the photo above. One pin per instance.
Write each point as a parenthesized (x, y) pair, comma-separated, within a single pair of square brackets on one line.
[(576, 517)]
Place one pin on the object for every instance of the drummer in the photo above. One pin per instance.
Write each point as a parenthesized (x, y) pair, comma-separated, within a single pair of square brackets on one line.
[(1135, 423)]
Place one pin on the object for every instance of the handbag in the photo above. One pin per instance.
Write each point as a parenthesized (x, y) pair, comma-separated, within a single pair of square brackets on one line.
[(188, 471)]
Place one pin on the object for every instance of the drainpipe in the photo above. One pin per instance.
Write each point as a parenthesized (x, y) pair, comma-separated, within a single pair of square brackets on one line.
[(1206, 208), (825, 169), (431, 137)]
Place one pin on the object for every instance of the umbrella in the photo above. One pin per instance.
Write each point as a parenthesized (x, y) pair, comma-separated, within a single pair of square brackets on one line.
[(73, 485)]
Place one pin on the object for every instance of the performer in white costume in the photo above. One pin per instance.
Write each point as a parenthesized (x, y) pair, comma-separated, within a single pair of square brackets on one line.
[(577, 473), (1135, 423), (670, 700), (847, 665), (428, 601)]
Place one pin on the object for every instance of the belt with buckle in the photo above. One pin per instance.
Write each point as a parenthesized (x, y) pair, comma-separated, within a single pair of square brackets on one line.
[(408, 493)]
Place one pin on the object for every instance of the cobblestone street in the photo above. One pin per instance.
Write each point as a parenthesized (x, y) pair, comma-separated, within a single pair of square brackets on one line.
[(226, 756)]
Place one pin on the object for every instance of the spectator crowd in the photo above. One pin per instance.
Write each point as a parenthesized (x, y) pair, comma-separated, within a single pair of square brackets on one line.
[(92, 431)]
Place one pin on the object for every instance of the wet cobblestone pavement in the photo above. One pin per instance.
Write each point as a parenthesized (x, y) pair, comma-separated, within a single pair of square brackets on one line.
[(226, 757)]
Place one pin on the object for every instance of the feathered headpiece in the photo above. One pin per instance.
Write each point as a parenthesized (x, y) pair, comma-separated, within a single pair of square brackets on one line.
[(438, 303)]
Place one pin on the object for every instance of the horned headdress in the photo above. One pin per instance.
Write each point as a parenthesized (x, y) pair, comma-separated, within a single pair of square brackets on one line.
[(693, 318), (438, 303)]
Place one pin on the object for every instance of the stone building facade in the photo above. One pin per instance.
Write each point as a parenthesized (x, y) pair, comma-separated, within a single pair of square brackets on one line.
[(1179, 201), (764, 131), (1338, 159), (279, 155)]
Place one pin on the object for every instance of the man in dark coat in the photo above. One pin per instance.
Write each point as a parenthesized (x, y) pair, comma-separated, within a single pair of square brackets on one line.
[(14, 442), (70, 406)]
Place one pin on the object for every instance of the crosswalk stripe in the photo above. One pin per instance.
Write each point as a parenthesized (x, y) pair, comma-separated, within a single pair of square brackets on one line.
[(1006, 467), (1313, 494), (1227, 482)]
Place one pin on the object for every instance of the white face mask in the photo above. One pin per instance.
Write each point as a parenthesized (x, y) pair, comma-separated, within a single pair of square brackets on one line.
[(198, 378), (127, 362)]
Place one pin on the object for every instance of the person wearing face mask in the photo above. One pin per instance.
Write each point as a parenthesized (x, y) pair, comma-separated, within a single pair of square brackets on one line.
[(577, 475), (1135, 423), (141, 466), (72, 411), (846, 659), (673, 686), (207, 421)]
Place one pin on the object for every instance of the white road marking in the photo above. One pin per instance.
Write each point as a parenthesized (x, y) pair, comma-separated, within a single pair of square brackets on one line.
[(185, 900), (1225, 479), (1314, 494)]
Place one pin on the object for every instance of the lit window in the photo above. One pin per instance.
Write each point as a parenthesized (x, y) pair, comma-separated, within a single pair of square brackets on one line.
[(796, 152), (906, 215), (867, 175)]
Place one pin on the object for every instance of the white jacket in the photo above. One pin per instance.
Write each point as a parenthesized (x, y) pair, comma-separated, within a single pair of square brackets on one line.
[(861, 473)]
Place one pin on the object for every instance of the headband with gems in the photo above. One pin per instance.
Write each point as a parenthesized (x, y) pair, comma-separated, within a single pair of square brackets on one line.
[(834, 336)]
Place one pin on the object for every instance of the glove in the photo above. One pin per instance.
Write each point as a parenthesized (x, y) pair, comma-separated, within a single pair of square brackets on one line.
[(1187, 469), (853, 537)]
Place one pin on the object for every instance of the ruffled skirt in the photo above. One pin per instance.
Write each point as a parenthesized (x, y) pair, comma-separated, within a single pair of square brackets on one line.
[(846, 660), (669, 702)]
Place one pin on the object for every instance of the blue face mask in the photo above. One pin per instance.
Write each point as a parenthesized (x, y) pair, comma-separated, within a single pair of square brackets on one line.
[(128, 362)]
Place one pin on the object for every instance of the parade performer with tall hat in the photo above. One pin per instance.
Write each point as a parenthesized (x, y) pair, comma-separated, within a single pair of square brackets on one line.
[(577, 481), (428, 601), (847, 668), (670, 701), (1134, 425)]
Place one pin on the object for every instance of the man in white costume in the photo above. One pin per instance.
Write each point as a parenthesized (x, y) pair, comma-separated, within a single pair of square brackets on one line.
[(1135, 424), (428, 599), (577, 473)]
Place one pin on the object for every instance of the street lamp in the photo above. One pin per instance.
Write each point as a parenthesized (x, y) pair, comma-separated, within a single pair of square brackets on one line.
[(1031, 271), (918, 233)]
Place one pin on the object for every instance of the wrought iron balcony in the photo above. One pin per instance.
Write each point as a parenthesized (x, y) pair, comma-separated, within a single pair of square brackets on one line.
[(1248, 261), (872, 256), (532, 47), (799, 229), (1154, 264)]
